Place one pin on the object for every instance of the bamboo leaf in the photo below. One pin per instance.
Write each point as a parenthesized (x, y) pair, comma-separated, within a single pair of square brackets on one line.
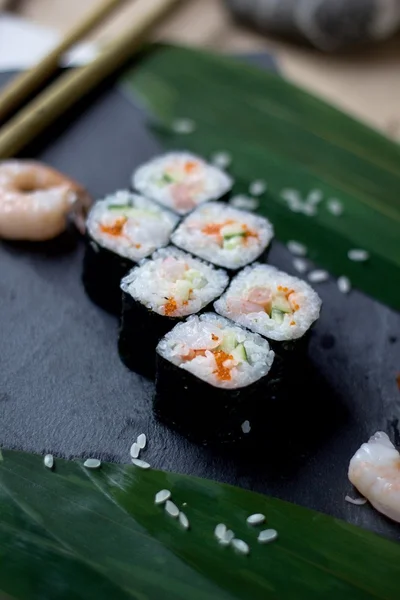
[(280, 133), (80, 533)]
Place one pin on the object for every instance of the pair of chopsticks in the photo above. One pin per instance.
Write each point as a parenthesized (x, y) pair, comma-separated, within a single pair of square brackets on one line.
[(71, 86)]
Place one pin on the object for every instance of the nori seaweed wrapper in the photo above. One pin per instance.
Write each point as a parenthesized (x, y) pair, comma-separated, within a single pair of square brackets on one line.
[(103, 270), (140, 331), (204, 413)]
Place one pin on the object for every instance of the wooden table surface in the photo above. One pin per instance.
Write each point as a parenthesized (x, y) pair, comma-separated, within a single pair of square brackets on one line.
[(366, 82)]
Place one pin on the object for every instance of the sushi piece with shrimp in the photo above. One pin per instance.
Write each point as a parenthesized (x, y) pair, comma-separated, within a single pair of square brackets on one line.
[(159, 293), (225, 236), (210, 373), (122, 229), (375, 471), (278, 306), (181, 181)]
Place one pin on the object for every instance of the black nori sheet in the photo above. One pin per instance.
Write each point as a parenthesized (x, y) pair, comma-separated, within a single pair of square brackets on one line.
[(203, 413), (140, 331), (103, 270)]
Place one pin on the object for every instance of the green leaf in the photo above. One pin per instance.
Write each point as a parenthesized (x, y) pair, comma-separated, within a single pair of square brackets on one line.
[(277, 132), (80, 533)]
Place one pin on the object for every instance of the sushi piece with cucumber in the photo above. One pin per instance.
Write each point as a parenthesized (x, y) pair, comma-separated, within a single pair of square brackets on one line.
[(159, 293), (210, 374), (181, 181), (225, 236), (122, 229), (280, 307)]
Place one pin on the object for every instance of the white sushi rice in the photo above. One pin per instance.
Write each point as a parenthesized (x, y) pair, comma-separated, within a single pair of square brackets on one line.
[(147, 226), (230, 246), (175, 275), (207, 333), (181, 181), (244, 202), (234, 304)]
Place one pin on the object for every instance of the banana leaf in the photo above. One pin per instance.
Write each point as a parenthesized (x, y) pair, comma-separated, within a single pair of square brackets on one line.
[(79, 533), (277, 132)]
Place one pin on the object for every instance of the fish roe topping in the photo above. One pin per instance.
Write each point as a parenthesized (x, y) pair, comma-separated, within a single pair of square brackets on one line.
[(170, 307), (222, 372), (116, 228)]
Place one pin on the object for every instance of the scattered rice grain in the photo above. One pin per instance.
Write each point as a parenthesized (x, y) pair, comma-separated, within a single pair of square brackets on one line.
[(227, 537), (183, 126), (162, 496), (356, 501), (240, 546), (220, 531), (335, 207), (296, 248), (171, 509), (318, 276), (244, 202), (140, 463), (255, 519), (344, 284), (300, 265), (267, 535), (290, 195), (141, 441), (314, 197), (358, 255), (246, 427), (309, 210), (257, 187), (49, 461), (183, 520), (92, 463), (222, 160), (135, 450)]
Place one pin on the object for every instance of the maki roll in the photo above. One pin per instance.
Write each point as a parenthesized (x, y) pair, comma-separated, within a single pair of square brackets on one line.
[(156, 295), (274, 304), (209, 374), (225, 236), (121, 230), (181, 181)]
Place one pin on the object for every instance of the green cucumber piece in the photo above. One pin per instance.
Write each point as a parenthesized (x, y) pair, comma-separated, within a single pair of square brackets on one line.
[(119, 206), (232, 242), (229, 342), (165, 178), (277, 315), (281, 303), (240, 354), (229, 236)]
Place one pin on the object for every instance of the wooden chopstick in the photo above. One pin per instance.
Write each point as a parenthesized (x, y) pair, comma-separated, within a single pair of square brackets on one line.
[(24, 85), (74, 84)]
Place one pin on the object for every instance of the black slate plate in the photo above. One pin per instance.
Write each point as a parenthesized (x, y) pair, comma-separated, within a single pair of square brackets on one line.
[(64, 390)]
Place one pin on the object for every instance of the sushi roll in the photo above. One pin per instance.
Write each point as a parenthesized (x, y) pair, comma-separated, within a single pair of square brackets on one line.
[(181, 181), (122, 229), (158, 294), (225, 236), (276, 305), (209, 374)]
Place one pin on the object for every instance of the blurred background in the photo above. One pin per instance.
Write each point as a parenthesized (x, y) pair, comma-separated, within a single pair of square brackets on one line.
[(347, 51)]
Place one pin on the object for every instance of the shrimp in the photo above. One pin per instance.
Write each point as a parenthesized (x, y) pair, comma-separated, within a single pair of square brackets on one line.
[(375, 471), (35, 201)]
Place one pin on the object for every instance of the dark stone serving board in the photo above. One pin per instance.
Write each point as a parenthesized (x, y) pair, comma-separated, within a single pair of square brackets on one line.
[(64, 390)]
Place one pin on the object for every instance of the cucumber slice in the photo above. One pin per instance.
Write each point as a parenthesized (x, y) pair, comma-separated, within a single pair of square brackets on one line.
[(240, 354), (281, 303), (277, 315), (119, 206), (165, 178), (239, 234), (232, 242), (182, 289), (229, 342)]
